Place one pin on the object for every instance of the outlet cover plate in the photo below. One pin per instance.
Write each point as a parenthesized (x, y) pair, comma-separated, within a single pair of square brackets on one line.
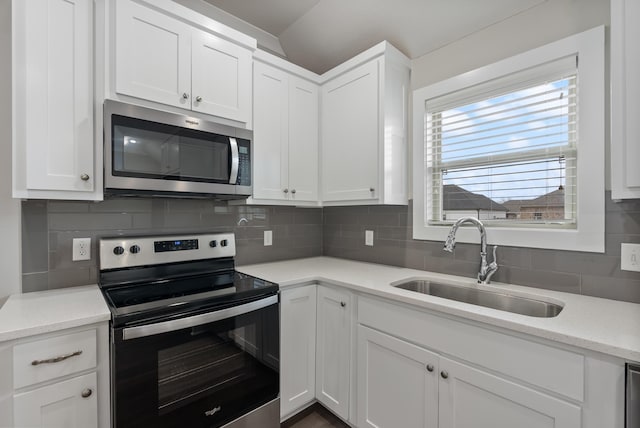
[(81, 249), (268, 238), (368, 238), (630, 257)]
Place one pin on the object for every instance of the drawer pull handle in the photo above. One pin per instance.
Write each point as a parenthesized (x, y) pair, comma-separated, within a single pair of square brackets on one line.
[(86, 393), (56, 359)]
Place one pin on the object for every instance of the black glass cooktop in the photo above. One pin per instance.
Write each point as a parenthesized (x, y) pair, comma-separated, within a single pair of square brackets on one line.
[(139, 296)]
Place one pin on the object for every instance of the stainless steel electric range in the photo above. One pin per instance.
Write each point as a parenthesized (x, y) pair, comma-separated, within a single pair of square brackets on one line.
[(193, 342)]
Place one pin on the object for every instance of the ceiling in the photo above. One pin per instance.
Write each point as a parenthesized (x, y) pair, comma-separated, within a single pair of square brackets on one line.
[(320, 34)]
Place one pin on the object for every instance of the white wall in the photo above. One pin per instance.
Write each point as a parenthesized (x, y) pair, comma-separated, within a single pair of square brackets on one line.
[(10, 263), (542, 24)]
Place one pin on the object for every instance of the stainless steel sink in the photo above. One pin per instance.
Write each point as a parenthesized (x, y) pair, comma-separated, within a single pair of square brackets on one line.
[(486, 298)]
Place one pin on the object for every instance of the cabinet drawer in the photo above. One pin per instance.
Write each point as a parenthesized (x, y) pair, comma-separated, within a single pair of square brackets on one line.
[(551, 368), (50, 358)]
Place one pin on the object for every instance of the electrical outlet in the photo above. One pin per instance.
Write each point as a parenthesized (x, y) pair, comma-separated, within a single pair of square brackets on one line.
[(268, 238), (81, 249), (368, 238), (630, 257)]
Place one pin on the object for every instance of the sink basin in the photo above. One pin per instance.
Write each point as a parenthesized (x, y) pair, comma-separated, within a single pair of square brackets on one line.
[(486, 298)]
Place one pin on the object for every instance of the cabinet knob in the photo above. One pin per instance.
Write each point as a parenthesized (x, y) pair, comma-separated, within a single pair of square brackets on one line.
[(430, 367), (86, 393), (84, 177), (372, 189), (293, 191), (444, 374), (198, 98), (286, 190), (185, 96), (343, 304)]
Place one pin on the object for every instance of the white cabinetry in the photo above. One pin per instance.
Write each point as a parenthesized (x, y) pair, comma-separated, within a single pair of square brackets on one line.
[(162, 57), (62, 404), (472, 398), (625, 99), (333, 358), (53, 95), (472, 376), (397, 382), (58, 379), (364, 129), (285, 133), (298, 348)]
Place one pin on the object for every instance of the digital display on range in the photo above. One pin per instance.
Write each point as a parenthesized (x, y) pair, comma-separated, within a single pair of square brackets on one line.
[(177, 245)]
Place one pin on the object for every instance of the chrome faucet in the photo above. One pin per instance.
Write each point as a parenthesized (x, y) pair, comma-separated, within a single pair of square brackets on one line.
[(486, 269)]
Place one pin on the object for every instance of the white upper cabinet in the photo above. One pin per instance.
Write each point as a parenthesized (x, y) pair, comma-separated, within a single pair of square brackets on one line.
[(221, 77), (364, 129), (53, 95), (153, 55), (625, 99), (164, 55), (285, 134)]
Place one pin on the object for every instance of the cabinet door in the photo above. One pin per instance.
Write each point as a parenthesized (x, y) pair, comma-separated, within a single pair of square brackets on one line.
[(53, 93), (270, 133), (298, 348), (303, 140), (470, 398), (397, 383), (333, 350), (153, 55), (350, 135), (60, 405), (625, 99), (221, 77)]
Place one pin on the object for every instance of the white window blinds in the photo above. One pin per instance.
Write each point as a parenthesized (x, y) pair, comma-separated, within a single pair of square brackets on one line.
[(505, 151)]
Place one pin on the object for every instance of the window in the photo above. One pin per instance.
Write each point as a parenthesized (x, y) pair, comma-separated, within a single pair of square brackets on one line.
[(518, 144)]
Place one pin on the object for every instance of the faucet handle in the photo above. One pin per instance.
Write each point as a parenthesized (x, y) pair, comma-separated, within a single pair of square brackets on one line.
[(495, 260)]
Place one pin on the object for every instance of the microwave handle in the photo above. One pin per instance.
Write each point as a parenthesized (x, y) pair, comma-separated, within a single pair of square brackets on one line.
[(235, 161), (196, 320)]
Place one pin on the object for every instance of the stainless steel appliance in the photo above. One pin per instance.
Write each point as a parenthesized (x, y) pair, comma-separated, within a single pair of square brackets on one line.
[(193, 342), (632, 404), (154, 152)]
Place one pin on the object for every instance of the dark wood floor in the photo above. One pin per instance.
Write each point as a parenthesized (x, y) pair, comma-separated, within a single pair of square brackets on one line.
[(315, 416)]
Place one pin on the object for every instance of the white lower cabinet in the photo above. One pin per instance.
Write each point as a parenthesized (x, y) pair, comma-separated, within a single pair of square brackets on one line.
[(333, 356), (471, 398), (397, 382), (298, 348), (56, 380), (68, 404)]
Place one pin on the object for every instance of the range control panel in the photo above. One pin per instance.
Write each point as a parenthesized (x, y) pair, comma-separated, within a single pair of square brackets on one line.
[(126, 252)]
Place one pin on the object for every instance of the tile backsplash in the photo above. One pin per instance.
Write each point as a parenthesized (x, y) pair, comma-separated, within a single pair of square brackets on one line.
[(49, 227), (574, 272)]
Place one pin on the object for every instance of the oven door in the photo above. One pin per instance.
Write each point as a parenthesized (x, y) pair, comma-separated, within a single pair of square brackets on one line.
[(202, 370)]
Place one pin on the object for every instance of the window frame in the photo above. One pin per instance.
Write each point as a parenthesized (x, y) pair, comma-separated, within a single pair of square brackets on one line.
[(589, 232)]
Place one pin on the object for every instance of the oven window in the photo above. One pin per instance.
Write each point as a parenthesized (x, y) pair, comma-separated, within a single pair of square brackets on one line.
[(152, 150), (201, 376)]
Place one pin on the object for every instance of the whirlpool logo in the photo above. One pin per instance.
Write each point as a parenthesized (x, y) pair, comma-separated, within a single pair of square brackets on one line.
[(213, 411)]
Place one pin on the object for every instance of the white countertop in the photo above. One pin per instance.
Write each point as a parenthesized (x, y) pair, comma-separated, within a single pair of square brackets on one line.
[(602, 325), (40, 312)]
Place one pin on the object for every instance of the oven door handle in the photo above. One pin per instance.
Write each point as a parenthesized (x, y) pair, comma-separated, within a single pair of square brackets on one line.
[(196, 320)]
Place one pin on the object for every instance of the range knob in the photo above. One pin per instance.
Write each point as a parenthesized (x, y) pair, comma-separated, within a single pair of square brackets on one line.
[(135, 249), (213, 244), (224, 242), (118, 251)]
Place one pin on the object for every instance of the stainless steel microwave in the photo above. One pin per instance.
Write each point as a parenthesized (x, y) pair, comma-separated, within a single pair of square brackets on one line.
[(152, 152)]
